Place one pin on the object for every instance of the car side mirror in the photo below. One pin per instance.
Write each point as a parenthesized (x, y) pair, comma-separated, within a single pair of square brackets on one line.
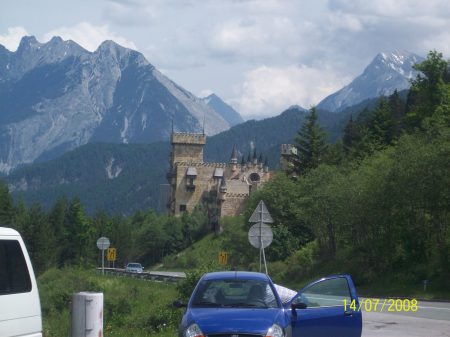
[(299, 305), (179, 304)]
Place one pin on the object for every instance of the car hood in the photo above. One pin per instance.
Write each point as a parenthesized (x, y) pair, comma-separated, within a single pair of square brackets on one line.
[(235, 320)]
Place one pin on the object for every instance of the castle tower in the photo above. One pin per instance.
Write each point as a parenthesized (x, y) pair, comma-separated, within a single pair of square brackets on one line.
[(287, 157), (187, 147), (186, 155), (255, 157), (233, 159)]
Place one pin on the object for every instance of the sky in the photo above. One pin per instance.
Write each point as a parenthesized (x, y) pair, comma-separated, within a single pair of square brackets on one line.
[(260, 56)]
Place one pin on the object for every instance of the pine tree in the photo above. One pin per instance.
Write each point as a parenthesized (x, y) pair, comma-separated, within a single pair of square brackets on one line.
[(6, 205), (381, 124), (57, 219), (397, 107), (352, 135), (79, 233), (428, 90), (311, 144)]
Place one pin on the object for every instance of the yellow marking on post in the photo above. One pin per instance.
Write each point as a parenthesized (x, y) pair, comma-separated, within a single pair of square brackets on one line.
[(223, 258), (111, 254)]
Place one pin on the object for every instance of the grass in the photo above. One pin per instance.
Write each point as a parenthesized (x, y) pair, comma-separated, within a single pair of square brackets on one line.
[(132, 307), (203, 252)]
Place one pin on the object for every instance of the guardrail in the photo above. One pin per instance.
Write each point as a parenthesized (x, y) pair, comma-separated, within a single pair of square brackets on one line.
[(164, 276)]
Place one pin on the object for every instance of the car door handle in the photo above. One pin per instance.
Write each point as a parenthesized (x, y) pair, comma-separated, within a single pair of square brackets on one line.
[(348, 313)]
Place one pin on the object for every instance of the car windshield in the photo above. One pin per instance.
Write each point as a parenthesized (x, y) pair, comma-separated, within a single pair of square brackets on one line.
[(235, 293)]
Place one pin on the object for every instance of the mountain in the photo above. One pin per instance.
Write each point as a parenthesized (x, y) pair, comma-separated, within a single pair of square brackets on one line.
[(226, 111), (387, 72), (123, 178), (56, 96)]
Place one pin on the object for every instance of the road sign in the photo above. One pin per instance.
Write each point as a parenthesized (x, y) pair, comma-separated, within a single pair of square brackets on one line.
[(261, 214), (111, 254), (260, 235), (103, 243), (223, 258)]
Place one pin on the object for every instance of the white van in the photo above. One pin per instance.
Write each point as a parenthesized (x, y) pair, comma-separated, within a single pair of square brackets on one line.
[(20, 308)]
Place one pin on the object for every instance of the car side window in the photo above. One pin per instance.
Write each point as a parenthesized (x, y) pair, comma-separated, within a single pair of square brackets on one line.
[(14, 276), (327, 293)]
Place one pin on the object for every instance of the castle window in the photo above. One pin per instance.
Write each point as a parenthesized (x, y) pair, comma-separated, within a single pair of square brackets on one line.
[(254, 177), (218, 172), (182, 208), (191, 172)]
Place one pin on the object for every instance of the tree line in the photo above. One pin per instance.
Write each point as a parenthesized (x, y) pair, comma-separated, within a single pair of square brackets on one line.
[(66, 236)]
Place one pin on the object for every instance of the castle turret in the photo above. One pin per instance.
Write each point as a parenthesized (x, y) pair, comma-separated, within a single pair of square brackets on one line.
[(233, 159), (288, 155)]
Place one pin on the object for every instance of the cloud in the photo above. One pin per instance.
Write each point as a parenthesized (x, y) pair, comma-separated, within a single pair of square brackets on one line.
[(129, 13), (257, 38), (89, 36), (393, 8), (12, 38), (267, 91)]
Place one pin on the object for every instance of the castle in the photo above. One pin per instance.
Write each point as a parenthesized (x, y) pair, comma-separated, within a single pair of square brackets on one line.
[(222, 188)]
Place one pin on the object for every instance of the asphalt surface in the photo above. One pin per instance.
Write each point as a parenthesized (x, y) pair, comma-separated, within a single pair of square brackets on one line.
[(432, 319)]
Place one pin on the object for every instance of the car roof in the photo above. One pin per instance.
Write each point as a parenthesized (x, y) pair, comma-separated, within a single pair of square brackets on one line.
[(8, 232), (248, 275)]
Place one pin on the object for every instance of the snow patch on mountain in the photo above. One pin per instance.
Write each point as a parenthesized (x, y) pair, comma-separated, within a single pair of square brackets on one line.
[(386, 73)]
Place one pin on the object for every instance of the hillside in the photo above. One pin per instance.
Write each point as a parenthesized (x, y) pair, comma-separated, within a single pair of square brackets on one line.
[(123, 178), (117, 178)]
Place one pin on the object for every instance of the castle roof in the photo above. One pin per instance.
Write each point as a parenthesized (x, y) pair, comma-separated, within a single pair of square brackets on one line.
[(234, 153)]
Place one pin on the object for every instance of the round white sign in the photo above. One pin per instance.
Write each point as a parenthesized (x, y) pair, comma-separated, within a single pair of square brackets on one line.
[(103, 243), (260, 235)]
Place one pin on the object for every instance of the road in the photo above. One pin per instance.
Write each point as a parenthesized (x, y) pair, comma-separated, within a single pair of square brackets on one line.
[(431, 320)]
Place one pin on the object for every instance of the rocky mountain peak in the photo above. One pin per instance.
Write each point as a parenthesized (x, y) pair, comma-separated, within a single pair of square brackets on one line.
[(28, 43), (386, 73), (225, 110), (400, 61)]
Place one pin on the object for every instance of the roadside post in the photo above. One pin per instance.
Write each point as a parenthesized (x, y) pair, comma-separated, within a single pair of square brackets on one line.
[(425, 284), (260, 235), (87, 315), (103, 244)]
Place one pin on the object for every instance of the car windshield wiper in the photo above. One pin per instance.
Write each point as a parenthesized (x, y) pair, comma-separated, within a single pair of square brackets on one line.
[(206, 303), (245, 305)]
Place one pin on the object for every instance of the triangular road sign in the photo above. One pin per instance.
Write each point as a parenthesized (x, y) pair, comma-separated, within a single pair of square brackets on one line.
[(261, 214)]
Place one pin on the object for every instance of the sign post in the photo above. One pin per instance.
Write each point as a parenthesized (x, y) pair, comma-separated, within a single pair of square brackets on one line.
[(260, 234), (103, 244)]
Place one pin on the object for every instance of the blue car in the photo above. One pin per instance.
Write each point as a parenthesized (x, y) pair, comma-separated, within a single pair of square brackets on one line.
[(247, 304)]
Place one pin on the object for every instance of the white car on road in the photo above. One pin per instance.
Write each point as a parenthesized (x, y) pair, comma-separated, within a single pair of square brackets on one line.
[(134, 267)]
